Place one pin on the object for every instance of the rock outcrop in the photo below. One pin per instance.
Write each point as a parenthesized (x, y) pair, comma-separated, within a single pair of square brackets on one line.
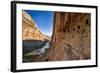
[(30, 29), (71, 37)]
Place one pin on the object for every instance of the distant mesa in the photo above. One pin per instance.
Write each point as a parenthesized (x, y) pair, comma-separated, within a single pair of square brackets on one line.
[(30, 29)]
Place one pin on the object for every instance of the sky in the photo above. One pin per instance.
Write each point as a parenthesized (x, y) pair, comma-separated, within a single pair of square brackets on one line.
[(43, 19)]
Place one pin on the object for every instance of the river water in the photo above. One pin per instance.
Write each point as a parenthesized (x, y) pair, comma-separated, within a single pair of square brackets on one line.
[(39, 51)]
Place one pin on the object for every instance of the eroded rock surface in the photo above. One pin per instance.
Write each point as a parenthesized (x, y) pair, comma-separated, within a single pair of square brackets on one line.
[(71, 37)]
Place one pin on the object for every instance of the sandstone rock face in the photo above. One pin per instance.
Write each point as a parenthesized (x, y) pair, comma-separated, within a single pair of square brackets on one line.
[(71, 37), (30, 29)]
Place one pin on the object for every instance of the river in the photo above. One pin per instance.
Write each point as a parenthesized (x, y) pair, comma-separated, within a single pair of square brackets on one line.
[(39, 51)]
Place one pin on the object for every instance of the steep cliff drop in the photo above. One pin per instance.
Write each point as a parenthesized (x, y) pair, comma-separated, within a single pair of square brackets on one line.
[(71, 37)]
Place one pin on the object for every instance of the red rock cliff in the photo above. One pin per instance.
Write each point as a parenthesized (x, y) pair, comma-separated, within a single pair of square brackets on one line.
[(71, 37)]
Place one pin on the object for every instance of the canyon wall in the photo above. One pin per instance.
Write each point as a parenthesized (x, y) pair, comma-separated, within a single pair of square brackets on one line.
[(32, 37), (30, 30), (71, 37)]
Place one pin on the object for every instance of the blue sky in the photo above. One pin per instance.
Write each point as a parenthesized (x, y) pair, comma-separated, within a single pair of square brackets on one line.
[(43, 19)]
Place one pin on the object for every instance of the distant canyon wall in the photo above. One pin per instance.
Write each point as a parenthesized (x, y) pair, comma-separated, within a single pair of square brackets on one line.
[(30, 31)]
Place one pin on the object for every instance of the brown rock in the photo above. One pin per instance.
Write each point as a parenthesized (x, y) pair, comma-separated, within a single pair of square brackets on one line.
[(71, 37)]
